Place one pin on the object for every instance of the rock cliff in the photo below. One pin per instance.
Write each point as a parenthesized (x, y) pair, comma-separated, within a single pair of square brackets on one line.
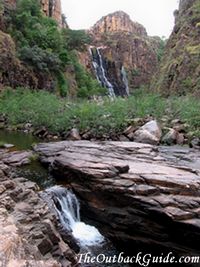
[(179, 71), (125, 43), (52, 8), (12, 72)]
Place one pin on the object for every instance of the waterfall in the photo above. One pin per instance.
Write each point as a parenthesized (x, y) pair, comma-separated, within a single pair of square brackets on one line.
[(125, 80), (68, 209), (100, 72)]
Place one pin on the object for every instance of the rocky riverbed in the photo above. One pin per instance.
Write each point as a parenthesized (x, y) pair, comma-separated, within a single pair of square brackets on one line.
[(29, 234), (141, 196)]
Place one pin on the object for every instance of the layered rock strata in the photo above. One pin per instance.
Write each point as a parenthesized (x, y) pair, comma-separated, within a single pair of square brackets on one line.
[(140, 197), (28, 229), (123, 42)]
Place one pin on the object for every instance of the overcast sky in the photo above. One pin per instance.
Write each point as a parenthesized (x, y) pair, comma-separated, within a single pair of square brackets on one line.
[(155, 15)]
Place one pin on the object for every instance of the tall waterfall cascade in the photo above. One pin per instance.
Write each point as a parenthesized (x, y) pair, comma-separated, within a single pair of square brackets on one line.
[(125, 80), (68, 209), (100, 72), (117, 84)]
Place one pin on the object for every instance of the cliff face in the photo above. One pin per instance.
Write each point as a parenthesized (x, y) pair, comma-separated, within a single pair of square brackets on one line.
[(12, 72), (179, 71), (125, 43), (118, 22), (52, 8)]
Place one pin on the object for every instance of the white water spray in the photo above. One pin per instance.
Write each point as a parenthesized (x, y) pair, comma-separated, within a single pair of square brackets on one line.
[(97, 62), (125, 80), (68, 209)]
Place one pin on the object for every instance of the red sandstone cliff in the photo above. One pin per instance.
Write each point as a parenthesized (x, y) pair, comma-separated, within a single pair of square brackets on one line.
[(126, 43)]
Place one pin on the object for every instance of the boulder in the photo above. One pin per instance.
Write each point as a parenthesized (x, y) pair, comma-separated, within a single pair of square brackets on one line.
[(149, 133), (74, 135), (173, 137)]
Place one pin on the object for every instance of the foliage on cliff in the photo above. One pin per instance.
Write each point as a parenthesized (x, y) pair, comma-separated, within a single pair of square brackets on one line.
[(179, 71), (46, 50)]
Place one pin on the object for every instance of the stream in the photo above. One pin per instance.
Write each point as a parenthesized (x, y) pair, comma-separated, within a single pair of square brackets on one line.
[(66, 204)]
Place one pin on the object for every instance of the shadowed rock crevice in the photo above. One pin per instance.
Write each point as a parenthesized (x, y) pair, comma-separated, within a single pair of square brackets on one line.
[(134, 192)]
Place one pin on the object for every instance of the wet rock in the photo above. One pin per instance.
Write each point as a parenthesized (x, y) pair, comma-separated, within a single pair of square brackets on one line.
[(139, 195), (149, 133), (28, 229)]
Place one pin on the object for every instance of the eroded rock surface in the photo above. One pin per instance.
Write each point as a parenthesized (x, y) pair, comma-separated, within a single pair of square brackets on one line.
[(122, 42), (138, 194), (28, 230)]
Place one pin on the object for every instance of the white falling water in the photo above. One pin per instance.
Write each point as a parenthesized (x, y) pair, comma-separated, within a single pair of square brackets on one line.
[(68, 209), (125, 79), (100, 71)]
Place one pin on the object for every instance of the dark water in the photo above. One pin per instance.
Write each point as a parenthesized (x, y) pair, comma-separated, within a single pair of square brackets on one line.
[(40, 175), (34, 171), (21, 141)]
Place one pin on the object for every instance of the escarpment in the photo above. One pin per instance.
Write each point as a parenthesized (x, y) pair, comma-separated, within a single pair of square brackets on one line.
[(179, 71), (124, 44)]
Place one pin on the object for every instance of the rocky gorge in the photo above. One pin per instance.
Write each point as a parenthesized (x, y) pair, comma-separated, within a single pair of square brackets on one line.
[(105, 174), (28, 228), (139, 195), (126, 52)]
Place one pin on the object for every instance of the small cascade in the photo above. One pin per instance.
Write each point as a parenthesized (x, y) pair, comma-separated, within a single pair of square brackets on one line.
[(125, 80), (100, 72), (68, 209)]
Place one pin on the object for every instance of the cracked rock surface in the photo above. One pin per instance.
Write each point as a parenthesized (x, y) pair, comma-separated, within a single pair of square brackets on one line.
[(137, 193)]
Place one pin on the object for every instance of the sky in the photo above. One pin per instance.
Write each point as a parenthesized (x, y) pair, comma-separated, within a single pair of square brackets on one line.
[(155, 15)]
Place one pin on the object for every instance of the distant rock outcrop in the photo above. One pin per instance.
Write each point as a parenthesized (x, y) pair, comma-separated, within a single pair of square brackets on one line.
[(52, 8), (123, 42), (179, 71)]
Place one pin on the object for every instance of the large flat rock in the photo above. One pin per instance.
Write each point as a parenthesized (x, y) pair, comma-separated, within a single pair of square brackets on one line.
[(136, 192)]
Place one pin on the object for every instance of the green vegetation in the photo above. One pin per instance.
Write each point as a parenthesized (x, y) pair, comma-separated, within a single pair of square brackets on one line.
[(161, 48), (2, 144), (48, 50), (109, 117)]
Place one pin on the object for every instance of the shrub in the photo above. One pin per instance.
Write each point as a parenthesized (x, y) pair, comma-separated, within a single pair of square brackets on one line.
[(42, 60)]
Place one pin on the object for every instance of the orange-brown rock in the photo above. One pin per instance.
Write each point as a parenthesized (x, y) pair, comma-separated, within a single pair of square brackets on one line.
[(12, 72), (125, 43), (116, 22), (52, 9)]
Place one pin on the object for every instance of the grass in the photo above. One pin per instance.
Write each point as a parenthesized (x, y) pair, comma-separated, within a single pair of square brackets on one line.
[(2, 144), (41, 108)]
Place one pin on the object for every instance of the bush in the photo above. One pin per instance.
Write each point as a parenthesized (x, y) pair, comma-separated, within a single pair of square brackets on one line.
[(47, 49), (110, 117), (76, 39), (41, 60)]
